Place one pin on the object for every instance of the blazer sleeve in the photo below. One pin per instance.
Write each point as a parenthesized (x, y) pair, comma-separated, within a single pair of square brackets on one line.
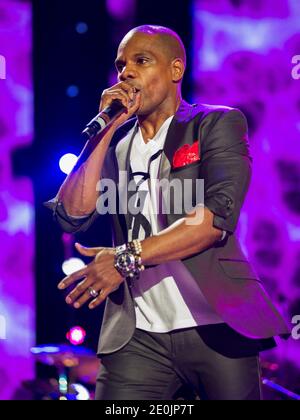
[(68, 223), (226, 168)]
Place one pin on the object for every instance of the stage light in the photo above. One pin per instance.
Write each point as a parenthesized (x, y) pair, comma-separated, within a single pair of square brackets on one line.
[(67, 163), (82, 393), (44, 349), (120, 9), (72, 91), (3, 328), (2, 67), (71, 265), (63, 383), (76, 335), (81, 28)]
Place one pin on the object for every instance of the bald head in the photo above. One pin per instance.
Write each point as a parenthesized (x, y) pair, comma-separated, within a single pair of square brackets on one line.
[(167, 40), (152, 60)]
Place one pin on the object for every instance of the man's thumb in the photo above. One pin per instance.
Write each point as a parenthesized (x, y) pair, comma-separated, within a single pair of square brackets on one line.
[(88, 252)]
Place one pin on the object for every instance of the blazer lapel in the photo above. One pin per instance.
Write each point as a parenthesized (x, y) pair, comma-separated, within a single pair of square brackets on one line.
[(127, 169), (176, 137)]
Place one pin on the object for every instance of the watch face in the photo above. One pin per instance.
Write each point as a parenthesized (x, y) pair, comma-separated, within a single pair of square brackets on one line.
[(126, 260)]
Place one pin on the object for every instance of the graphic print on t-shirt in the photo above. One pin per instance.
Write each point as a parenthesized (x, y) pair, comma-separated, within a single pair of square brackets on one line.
[(139, 200)]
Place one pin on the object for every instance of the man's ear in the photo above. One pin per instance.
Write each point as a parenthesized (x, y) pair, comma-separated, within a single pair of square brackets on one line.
[(178, 69)]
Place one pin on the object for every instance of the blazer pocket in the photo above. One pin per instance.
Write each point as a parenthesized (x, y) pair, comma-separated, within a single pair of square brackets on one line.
[(186, 167), (238, 269)]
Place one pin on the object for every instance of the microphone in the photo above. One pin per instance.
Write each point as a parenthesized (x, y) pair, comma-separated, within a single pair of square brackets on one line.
[(104, 119)]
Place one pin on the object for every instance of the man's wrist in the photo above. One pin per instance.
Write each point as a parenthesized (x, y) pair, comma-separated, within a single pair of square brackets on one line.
[(128, 260)]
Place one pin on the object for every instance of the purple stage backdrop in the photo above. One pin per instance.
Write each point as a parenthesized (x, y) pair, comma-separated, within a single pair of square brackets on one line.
[(17, 314), (245, 55)]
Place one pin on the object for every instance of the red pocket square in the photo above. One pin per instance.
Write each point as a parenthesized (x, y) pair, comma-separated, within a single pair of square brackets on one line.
[(186, 154)]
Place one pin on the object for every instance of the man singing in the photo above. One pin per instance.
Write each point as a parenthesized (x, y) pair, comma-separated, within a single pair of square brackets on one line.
[(183, 305)]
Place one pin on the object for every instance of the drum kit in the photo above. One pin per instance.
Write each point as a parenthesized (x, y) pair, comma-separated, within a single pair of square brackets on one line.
[(75, 370)]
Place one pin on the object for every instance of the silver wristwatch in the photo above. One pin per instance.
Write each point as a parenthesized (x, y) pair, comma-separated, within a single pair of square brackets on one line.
[(128, 260), (125, 261)]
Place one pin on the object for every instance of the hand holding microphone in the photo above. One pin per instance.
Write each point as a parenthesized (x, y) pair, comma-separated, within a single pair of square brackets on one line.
[(117, 105)]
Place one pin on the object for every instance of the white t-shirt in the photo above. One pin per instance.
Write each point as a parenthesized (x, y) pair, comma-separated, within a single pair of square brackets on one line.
[(166, 297)]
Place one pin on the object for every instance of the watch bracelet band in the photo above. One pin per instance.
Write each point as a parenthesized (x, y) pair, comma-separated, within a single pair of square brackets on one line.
[(135, 249), (135, 246)]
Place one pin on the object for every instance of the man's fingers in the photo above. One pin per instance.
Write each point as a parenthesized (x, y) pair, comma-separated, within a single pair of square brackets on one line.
[(67, 281), (87, 295), (88, 252), (135, 104), (101, 298), (120, 95), (82, 293), (123, 92), (77, 291)]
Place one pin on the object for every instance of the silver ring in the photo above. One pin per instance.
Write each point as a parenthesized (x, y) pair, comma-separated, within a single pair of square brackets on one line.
[(93, 293)]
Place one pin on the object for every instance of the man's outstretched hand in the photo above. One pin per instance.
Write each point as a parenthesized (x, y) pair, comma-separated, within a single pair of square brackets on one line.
[(98, 276)]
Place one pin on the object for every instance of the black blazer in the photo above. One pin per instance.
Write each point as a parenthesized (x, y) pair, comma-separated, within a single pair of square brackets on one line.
[(223, 273)]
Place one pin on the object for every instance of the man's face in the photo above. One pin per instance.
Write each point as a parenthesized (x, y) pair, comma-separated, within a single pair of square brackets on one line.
[(141, 61)]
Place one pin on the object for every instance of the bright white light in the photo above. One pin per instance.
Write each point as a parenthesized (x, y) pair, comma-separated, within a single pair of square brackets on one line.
[(67, 163), (2, 328), (71, 265), (83, 393), (76, 336)]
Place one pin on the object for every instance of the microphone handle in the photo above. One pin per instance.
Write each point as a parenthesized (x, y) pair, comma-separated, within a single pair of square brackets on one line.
[(103, 119)]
